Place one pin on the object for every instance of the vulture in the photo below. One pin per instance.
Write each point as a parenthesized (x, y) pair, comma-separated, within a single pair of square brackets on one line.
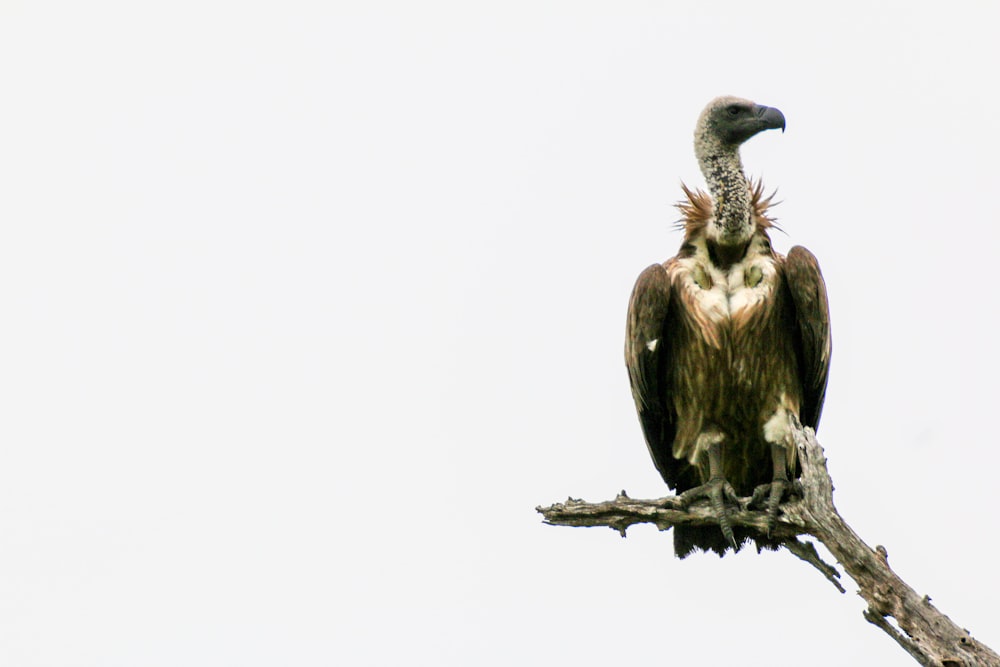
[(728, 342)]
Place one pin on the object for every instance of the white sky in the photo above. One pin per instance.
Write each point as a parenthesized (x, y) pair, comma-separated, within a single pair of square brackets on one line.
[(306, 306)]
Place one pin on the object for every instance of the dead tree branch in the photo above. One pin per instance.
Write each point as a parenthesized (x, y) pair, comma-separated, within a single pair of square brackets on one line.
[(920, 629)]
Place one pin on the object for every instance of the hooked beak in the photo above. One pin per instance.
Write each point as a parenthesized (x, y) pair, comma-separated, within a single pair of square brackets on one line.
[(769, 117)]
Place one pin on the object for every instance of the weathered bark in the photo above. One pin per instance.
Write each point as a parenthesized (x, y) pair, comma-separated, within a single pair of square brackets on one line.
[(923, 631)]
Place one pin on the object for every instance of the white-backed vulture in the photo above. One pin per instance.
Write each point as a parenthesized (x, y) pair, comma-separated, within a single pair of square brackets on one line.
[(728, 341)]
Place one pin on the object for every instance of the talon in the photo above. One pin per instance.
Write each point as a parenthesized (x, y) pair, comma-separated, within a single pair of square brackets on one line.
[(720, 494), (778, 488), (775, 492)]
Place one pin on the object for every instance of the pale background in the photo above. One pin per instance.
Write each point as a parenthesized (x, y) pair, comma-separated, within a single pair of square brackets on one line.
[(306, 306)]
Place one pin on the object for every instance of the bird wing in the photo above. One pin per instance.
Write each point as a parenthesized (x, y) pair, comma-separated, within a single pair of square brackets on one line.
[(812, 321), (646, 352)]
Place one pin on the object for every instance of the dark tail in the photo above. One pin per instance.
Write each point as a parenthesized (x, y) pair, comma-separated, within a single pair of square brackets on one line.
[(688, 539)]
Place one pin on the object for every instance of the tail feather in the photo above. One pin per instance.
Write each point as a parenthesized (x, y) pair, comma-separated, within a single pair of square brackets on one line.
[(688, 539)]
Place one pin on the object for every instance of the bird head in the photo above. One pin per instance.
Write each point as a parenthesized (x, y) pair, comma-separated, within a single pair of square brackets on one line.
[(729, 121)]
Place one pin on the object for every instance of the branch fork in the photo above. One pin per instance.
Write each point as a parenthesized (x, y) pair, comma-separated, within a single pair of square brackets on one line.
[(929, 636)]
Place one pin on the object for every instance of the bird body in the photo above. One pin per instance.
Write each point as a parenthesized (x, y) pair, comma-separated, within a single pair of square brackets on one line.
[(728, 341)]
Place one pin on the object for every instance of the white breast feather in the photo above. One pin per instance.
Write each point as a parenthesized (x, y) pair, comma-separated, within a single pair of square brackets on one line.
[(712, 302), (741, 296), (729, 293)]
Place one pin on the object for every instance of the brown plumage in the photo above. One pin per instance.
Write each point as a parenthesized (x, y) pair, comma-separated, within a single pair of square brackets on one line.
[(728, 341)]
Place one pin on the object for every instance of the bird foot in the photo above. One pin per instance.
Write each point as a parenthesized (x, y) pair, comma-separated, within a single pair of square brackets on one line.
[(777, 491), (720, 495)]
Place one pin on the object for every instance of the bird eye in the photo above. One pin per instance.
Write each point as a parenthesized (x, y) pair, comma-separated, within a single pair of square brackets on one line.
[(734, 110)]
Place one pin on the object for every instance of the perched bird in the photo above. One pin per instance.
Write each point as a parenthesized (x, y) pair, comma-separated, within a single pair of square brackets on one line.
[(728, 342)]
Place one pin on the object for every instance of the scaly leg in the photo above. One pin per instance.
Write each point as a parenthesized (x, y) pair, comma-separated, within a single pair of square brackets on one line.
[(717, 490), (779, 489)]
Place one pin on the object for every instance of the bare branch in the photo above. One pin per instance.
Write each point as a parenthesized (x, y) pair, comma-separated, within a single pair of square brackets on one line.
[(665, 513), (807, 552), (919, 628)]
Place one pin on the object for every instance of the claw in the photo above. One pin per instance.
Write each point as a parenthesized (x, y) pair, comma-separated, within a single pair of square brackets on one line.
[(722, 511), (719, 493), (779, 489)]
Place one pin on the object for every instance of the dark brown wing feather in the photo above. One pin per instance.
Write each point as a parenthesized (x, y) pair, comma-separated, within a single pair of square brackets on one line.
[(648, 311), (812, 318)]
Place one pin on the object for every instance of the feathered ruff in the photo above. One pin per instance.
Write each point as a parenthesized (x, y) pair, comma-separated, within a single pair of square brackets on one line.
[(698, 209)]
